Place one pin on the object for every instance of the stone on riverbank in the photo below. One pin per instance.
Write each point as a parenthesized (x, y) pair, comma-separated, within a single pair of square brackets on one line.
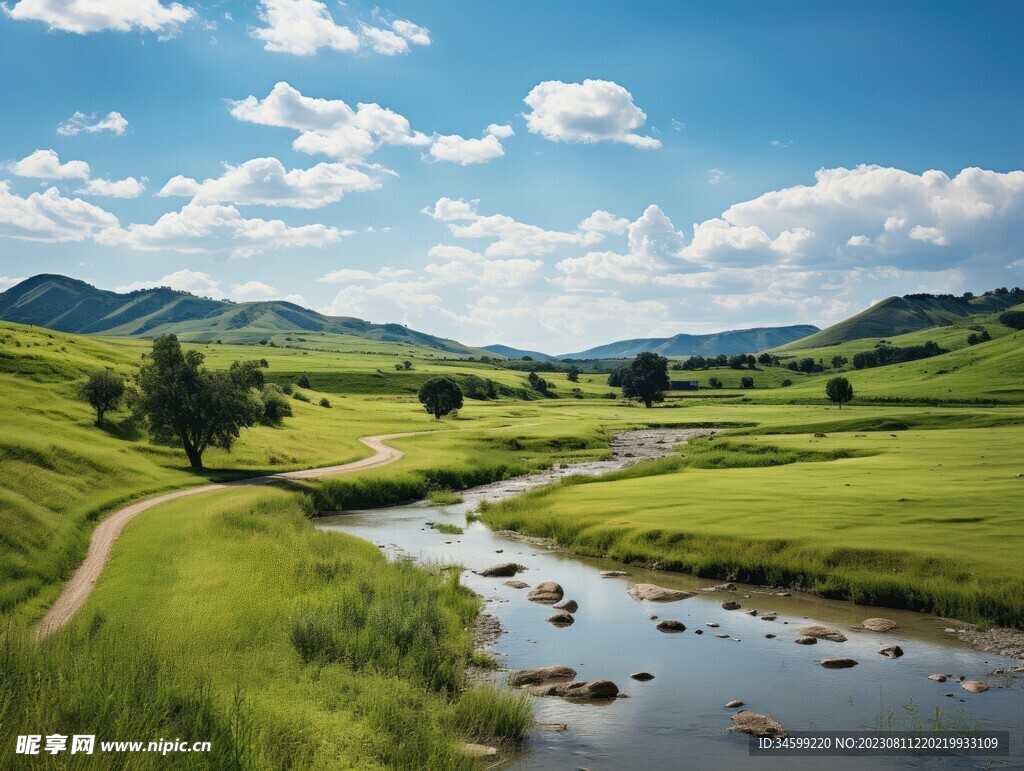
[(655, 593), (974, 686), (547, 593), (878, 624), (540, 675), (822, 633), (501, 570)]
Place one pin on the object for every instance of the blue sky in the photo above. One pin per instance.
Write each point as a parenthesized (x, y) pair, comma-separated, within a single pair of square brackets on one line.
[(752, 163)]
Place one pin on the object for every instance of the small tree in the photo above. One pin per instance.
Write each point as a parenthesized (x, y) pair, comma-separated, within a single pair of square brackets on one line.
[(186, 405), (104, 391), (714, 382), (746, 382), (1012, 319), (646, 378), (839, 361), (276, 406), (302, 382), (440, 396), (573, 374), (839, 391)]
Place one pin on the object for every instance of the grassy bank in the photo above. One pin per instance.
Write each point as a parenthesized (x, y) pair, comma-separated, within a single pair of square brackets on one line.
[(925, 520), (236, 622)]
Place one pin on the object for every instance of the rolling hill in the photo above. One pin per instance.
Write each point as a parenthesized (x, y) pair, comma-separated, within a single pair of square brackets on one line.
[(731, 342), (517, 353), (69, 305), (899, 315)]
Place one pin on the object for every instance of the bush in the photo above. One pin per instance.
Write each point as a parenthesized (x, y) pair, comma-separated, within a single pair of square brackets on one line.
[(746, 382), (325, 402), (275, 405), (1012, 319), (715, 382), (303, 382), (300, 397)]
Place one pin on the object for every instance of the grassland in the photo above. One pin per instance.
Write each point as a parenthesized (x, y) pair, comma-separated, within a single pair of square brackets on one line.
[(236, 622)]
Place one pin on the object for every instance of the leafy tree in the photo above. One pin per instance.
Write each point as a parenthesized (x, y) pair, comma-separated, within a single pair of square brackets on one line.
[(276, 406), (646, 378), (807, 365), (303, 382), (973, 339), (104, 391), (714, 382), (407, 365), (616, 376), (839, 361), (186, 405), (839, 391), (746, 382), (573, 374), (787, 383), (325, 402), (739, 361), (1012, 319), (440, 396), (793, 365)]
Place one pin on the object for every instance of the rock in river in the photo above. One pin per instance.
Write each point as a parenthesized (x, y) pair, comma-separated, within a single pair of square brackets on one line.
[(569, 606), (822, 633), (613, 573), (893, 651), (593, 690), (734, 704), (746, 722), (974, 686), (838, 663), (655, 593), (878, 624), (541, 675), (671, 626), (517, 584), (547, 593), (642, 676), (731, 605), (501, 570), (806, 640), (938, 678), (561, 619)]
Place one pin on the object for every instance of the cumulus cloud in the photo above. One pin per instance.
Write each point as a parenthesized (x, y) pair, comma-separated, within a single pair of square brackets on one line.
[(50, 217), (183, 280), (266, 181), (80, 123), (6, 283), (328, 126), (203, 225), (591, 111), (45, 164), (511, 238), (457, 149), (84, 16), (303, 27), (893, 217), (129, 187), (347, 275), (603, 221)]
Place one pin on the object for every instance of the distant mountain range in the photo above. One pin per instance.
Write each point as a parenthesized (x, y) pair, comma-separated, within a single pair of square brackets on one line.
[(70, 305), (731, 342), (899, 315), (517, 353)]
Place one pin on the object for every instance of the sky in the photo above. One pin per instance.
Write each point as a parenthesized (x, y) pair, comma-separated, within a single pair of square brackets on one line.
[(544, 175)]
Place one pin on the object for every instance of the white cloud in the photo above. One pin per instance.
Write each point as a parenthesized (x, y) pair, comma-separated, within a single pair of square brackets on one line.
[(203, 225), (678, 125), (50, 217), (328, 126), (414, 33), (266, 181), (894, 217), (303, 27), (716, 176), (346, 275), (457, 149), (113, 122), (254, 290), (83, 16), (603, 221), (128, 187), (45, 164), (591, 111), (511, 238), (183, 280)]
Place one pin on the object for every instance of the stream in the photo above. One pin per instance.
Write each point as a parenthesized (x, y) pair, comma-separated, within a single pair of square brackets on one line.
[(678, 719)]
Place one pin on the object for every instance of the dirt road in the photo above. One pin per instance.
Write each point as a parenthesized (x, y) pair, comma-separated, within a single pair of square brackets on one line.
[(77, 590)]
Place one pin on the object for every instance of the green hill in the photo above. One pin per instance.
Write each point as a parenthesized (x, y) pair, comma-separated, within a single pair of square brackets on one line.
[(517, 353), (899, 315), (68, 305), (731, 342)]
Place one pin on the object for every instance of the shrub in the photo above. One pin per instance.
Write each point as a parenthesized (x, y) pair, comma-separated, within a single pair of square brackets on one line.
[(325, 402), (1012, 319)]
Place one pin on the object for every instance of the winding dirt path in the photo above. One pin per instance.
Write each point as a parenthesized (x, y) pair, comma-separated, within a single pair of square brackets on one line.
[(78, 588)]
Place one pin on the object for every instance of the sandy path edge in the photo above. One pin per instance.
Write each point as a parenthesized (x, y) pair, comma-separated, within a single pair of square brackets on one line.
[(76, 591)]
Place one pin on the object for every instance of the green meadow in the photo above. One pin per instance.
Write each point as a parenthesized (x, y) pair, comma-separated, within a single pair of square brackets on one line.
[(229, 616)]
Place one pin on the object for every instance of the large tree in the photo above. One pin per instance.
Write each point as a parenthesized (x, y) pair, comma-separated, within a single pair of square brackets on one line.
[(104, 391), (839, 391), (440, 396), (186, 405), (646, 378)]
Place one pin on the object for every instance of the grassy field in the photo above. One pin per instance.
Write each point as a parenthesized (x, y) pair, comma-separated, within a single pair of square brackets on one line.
[(921, 519), (236, 622)]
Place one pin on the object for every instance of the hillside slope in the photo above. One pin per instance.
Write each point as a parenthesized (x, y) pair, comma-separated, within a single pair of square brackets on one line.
[(517, 353), (899, 315), (730, 342), (68, 305)]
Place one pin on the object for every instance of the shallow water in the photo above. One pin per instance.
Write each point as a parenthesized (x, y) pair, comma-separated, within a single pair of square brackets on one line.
[(678, 719)]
